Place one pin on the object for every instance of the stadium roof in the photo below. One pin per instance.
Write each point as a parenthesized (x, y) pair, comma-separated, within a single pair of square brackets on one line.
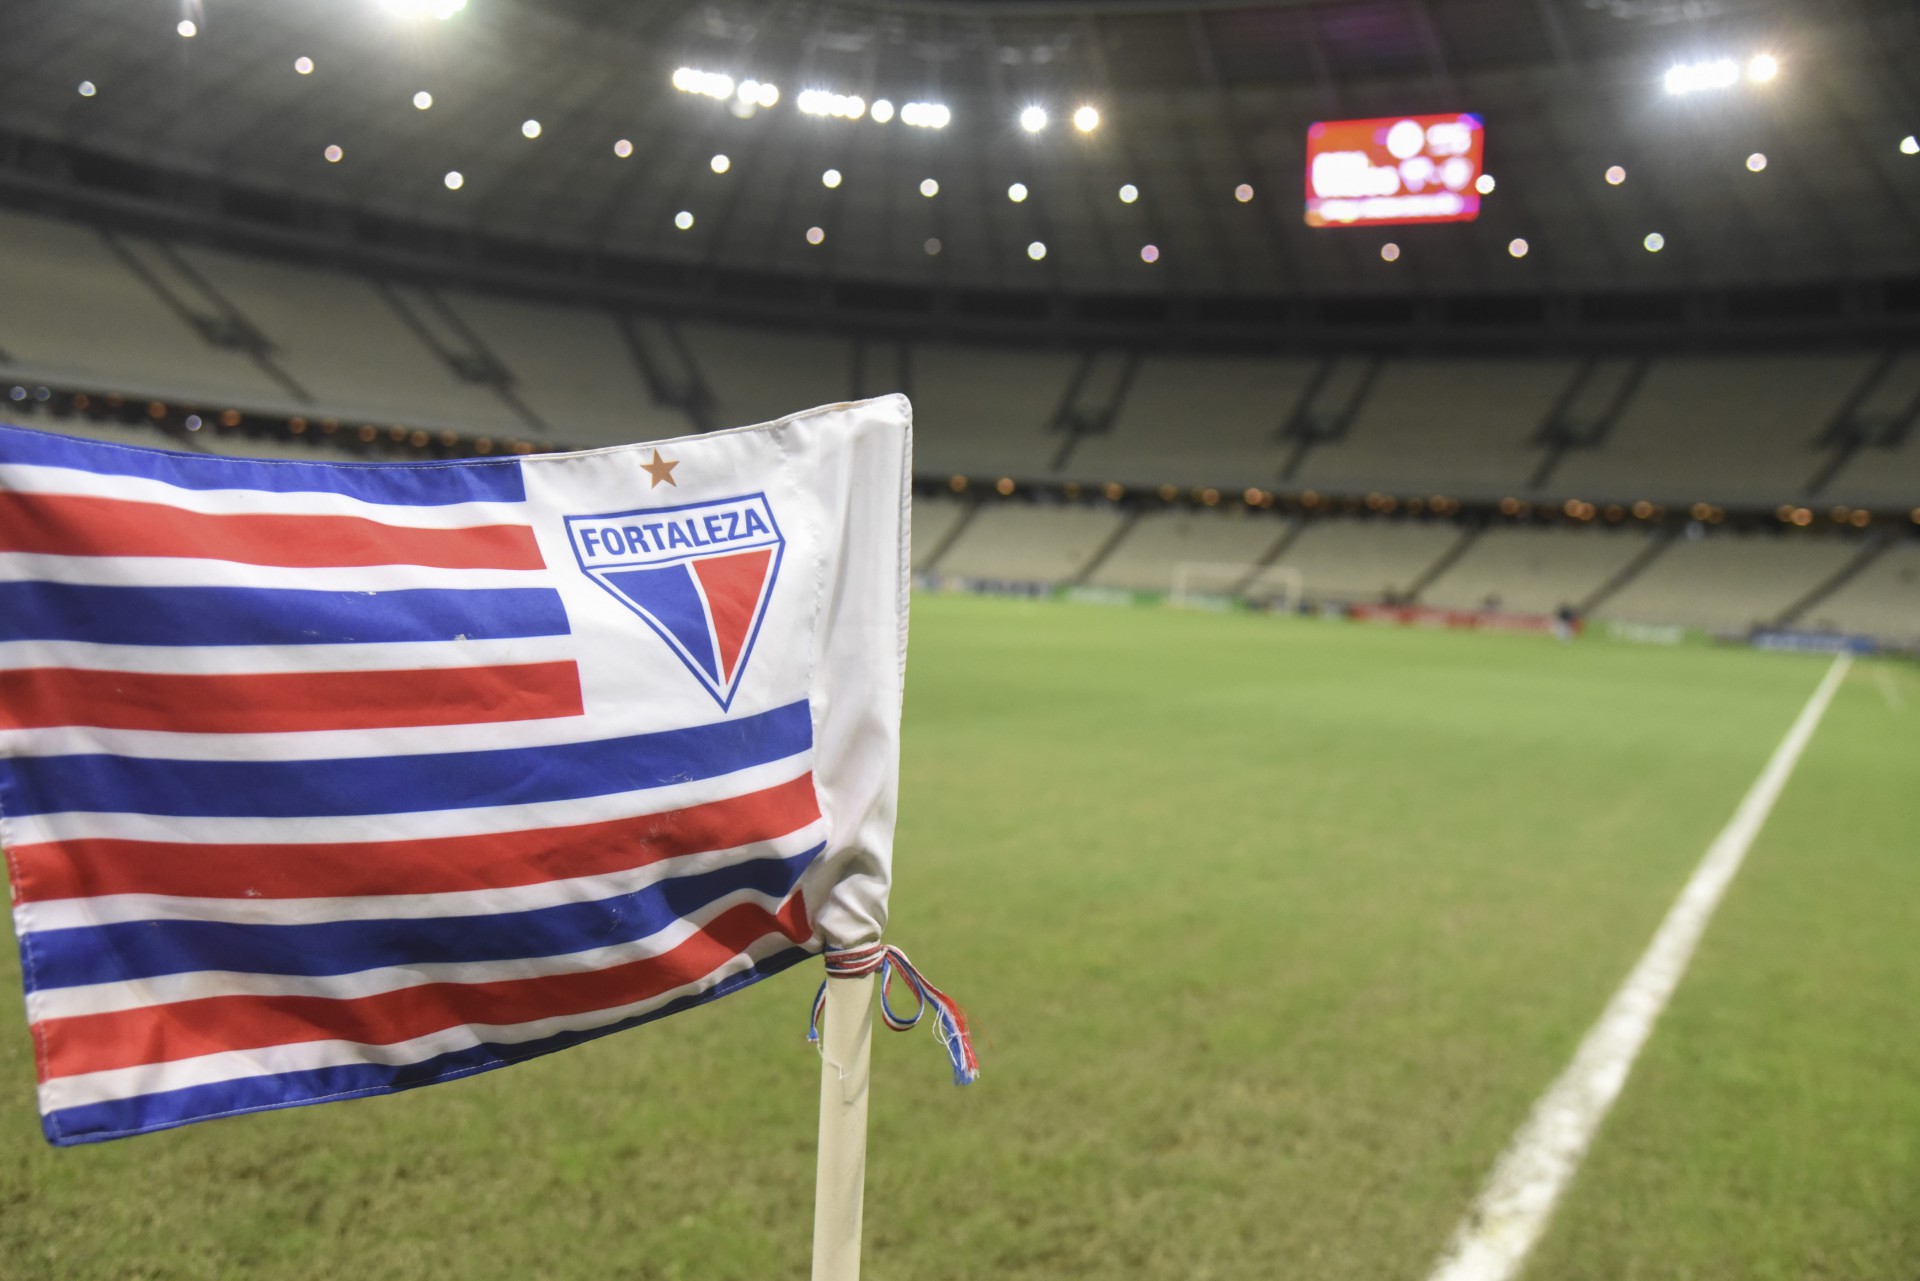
[(1194, 101)]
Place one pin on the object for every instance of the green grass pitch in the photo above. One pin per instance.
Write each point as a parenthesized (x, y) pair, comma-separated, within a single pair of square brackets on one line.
[(1273, 930)]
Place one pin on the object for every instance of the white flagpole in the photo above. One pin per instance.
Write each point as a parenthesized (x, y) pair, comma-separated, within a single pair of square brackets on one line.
[(846, 1043)]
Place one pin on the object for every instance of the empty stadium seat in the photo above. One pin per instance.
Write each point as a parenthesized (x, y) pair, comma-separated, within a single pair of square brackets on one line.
[(1882, 600), (1727, 582), (73, 312), (1353, 560), (1463, 428), (984, 411), (1534, 570), (1016, 542), (1196, 421), (1719, 429), (1219, 549), (934, 521)]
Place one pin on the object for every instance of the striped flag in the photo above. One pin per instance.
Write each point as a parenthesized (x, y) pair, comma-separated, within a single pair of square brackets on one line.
[(328, 779)]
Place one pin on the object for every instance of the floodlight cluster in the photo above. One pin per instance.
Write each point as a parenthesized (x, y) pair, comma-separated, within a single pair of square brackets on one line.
[(923, 115), (441, 9), (756, 93), (841, 106), (1719, 73), (708, 84)]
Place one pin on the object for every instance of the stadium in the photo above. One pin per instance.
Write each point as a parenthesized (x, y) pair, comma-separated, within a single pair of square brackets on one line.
[(1408, 752)]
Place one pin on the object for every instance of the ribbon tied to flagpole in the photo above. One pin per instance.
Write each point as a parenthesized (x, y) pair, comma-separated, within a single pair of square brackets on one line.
[(949, 1020)]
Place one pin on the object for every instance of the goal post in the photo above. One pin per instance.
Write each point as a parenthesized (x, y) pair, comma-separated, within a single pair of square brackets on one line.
[(1198, 584)]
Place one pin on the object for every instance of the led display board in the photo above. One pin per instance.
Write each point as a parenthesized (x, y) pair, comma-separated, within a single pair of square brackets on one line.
[(1365, 173)]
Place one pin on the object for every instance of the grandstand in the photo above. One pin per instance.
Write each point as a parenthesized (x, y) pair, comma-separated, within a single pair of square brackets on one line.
[(1117, 459), (1230, 326)]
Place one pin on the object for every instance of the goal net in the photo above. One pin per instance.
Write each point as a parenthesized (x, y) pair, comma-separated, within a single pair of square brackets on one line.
[(1204, 584)]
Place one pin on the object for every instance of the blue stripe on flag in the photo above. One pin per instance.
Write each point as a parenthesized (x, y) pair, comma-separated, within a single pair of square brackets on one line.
[(490, 480), (273, 615), (95, 1122), (143, 949), (102, 783)]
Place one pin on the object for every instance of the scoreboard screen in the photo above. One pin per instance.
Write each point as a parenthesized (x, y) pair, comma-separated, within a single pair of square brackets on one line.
[(1395, 169)]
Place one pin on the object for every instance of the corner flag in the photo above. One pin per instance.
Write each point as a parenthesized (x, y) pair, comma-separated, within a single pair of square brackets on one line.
[(322, 779)]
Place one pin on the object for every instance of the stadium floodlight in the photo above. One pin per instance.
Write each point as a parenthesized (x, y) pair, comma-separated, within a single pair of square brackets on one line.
[(841, 106), (1694, 77), (1086, 119), (881, 111), (1243, 193), (441, 9), (720, 163), (932, 246), (1762, 67), (454, 180), (1033, 119), (708, 84), (830, 179), (303, 66), (929, 188), (1017, 192), (683, 220), (756, 93), (815, 235), (1484, 184), (1129, 193), (187, 29), (1654, 242), (1517, 247), (87, 89), (422, 100), (1037, 250), (1756, 162), (333, 153), (1149, 253), (1910, 146), (925, 115), (530, 128), (1616, 175), (623, 148), (1389, 252)]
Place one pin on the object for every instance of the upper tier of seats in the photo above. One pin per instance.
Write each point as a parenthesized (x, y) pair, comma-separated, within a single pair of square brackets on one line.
[(91, 310)]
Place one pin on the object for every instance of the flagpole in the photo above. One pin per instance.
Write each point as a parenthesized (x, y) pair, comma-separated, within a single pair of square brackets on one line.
[(846, 1043)]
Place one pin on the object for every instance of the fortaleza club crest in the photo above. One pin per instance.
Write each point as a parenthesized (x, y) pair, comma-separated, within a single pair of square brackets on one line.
[(699, 574)]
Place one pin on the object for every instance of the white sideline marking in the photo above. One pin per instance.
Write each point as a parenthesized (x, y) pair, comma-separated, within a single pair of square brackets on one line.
[(1514, 1204), (1890, 691)]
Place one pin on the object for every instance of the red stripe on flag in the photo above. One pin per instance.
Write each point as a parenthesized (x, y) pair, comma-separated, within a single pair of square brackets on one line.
[(85, 868), (187, 1029), (287, 702), (82, 525)]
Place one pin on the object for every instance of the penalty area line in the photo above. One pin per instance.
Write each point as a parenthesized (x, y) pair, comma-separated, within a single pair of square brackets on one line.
[(1514, 1204)]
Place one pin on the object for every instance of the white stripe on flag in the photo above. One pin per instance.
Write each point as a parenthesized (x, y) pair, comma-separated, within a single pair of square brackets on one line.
[(241, 660), (173, 571), (36, 479), (229, 1065), (196, 985)]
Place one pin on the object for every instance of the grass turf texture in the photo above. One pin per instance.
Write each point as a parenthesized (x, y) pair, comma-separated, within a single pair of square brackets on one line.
[(1273, 930)]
